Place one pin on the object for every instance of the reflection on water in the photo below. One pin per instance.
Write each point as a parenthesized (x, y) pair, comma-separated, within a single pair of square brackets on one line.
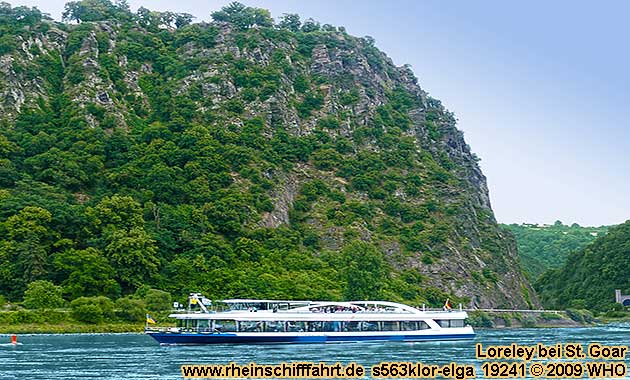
[(136, 356)]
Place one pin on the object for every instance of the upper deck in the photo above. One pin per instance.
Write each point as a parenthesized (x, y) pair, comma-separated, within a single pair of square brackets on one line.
[(277, 310)]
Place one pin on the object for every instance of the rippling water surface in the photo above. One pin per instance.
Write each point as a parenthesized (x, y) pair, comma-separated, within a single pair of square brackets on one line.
[(137, 356)]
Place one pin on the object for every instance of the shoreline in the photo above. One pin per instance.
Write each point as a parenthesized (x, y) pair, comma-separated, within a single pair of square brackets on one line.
[(107, 328), (115, 328)]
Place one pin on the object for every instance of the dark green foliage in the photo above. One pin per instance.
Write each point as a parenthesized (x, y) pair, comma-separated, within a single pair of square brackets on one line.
[(590, 275), (546, 247), (86, 272), (365, 272)]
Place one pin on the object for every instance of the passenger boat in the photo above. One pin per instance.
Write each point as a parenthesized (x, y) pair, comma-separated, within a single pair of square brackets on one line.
[(273, 321)]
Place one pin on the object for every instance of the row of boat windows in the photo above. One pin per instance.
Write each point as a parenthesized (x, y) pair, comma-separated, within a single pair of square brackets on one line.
[(229, 325)]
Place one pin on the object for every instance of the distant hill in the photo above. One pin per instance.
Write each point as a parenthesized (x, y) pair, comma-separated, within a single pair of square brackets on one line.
[(544, 246), (590, 275)]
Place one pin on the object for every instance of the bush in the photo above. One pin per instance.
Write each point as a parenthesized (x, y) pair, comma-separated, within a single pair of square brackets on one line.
[(130, 310), (528, 321), (3, 301), (616, 314), (581, 316), (158, 300), (611, 307), (479, 319), (142, 291), (550, 316), (92, 309), (42, 295), (88, 313)]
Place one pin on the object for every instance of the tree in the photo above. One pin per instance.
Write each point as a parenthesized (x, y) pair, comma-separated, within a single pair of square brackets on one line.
[(130, 250), (243, 17), (290, 21), (132, 254), (42, 295), (310, 25), (364, 269), (86, 273), (29, 243), (96, 10), (183, 19), (117, 212)]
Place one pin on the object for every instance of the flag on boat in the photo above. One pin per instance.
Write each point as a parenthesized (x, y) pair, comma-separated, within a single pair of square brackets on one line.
[(150, 320), (447, 305)]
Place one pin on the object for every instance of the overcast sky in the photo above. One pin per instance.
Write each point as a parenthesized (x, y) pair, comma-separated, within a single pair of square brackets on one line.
[(541, 89)]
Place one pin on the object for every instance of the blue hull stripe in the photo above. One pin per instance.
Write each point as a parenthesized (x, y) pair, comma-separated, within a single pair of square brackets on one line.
[(169, 338)]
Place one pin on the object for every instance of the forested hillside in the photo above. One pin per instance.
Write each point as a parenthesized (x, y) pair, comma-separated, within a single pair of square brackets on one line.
[(543, 247), (240, 157), (590, 276)]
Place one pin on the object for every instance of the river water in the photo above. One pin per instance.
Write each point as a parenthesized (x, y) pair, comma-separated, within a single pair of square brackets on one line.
[(137, 356)]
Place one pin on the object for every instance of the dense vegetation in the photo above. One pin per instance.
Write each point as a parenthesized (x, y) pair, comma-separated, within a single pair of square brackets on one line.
[(544, 247), (140, 149), (590, 276)]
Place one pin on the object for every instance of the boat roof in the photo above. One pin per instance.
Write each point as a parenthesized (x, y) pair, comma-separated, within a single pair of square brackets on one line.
[(292, 315), (325, 310), (250, 300)]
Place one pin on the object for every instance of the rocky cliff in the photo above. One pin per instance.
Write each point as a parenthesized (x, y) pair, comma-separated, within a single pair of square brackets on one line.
[(224, 135)]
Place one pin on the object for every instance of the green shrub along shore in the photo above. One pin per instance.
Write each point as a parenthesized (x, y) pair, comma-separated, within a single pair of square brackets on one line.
[(43, 310)]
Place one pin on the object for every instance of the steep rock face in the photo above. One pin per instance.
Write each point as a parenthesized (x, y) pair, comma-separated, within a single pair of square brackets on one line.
[(326, 136)]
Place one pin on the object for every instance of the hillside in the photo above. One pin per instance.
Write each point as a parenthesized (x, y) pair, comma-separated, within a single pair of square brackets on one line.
[(240, 158), (543, 247), (590, 276)]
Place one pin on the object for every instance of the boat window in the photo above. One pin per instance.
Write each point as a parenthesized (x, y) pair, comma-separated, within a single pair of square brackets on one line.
[(413, 325), (225, 325), (274, 326), (250, 326), (296, 326), (333, 326), (389, 326), (204, 325), (408, 325), (369, 326), (446, 323), (351, 326), (315, 326)]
